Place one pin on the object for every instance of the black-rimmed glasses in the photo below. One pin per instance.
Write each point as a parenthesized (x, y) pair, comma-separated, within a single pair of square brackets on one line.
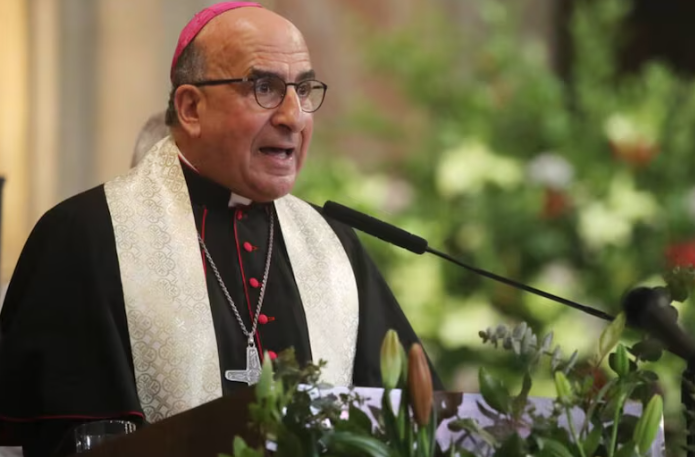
[(271, 90)]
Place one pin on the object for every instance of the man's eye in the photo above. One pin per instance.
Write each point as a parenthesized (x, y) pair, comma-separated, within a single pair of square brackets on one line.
[(304, 89), (263, 87)]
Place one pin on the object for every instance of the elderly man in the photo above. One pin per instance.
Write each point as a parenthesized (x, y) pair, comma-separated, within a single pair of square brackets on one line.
[(161, 290)]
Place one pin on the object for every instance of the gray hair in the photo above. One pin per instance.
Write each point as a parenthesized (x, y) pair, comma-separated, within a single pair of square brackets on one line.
[(190, 67), (154, 130)]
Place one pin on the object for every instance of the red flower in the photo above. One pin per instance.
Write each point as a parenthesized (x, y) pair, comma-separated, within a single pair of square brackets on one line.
[(681, 254)]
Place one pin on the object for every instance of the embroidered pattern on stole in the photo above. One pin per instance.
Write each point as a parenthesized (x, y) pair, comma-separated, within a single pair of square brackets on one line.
[(172, 337), (326, 284)]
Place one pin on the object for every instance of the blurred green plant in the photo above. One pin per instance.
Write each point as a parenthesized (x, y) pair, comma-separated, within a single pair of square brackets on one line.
[(581, 185)]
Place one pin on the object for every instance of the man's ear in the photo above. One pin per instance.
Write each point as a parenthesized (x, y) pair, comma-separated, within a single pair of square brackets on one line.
[(187, 100)]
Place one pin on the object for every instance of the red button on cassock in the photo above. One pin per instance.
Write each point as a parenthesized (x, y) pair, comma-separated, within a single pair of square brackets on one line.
[(248, 247), (272, 355), (255, 284), (262, 319), (239, 214)]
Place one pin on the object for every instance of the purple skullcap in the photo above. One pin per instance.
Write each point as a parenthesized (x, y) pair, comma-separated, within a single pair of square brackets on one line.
[(199, 21)]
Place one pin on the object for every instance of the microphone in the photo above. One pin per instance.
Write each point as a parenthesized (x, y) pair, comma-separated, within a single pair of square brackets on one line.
[(650, 309), (418, 245)]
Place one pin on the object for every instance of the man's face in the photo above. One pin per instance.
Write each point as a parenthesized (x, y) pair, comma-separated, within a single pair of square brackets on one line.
[(254, 151)]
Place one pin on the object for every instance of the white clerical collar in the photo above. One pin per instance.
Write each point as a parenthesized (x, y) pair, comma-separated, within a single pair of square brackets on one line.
[(234, 199)]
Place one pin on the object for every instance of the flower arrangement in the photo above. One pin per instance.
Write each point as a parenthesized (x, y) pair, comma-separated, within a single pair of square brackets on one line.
[(290, 412)]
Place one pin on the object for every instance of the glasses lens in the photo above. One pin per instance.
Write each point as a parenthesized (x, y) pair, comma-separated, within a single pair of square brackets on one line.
[(269, 91), (311, 95)]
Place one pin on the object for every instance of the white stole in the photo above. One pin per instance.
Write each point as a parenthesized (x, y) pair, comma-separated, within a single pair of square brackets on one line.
[(164, 289)]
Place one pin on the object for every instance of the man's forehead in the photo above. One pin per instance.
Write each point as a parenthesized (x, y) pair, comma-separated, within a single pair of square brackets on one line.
[(239, 44), (259, 28)]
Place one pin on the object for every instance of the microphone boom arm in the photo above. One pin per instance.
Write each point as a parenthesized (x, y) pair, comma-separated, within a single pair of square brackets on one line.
[(510, 282), (418, 245)]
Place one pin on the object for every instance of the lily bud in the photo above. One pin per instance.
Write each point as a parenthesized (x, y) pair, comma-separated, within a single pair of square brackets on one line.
[(420, 385), (648, 424), (564, 388), (621, 362), (391, 359)]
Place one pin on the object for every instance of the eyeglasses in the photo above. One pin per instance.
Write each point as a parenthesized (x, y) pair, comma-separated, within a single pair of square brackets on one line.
[(270, 91)]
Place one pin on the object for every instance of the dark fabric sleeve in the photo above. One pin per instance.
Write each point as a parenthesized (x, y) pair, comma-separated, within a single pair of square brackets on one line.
[(64, 346), (379, 312)]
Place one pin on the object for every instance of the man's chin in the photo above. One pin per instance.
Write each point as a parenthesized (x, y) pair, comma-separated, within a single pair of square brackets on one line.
[(272, 191)]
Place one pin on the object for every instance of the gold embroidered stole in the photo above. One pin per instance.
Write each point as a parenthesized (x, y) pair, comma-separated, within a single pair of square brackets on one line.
[(172, 336), (326, 284)]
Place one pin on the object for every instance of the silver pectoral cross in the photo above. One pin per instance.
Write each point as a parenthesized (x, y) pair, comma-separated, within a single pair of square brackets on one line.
[(252, 373)]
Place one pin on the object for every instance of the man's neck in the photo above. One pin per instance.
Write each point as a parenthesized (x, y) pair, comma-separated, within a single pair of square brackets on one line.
[(234, 199)]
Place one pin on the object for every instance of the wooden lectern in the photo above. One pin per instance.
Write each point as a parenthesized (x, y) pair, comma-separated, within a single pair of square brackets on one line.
[(205, 431)]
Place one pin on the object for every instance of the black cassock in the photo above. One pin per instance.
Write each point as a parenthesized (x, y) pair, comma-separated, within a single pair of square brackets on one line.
[(64, 345)]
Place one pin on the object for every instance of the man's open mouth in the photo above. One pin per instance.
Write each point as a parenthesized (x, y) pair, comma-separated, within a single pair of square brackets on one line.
[(277, 151)]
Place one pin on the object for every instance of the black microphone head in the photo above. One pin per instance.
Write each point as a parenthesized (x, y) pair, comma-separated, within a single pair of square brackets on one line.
[(641, 302), (650, 309), (375, 227)]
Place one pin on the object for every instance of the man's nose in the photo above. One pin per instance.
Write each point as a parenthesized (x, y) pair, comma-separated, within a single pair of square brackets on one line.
[(289, 113)]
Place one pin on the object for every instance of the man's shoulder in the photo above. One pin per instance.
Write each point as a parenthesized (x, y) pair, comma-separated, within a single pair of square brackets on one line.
[(80, 210), (81, 203)]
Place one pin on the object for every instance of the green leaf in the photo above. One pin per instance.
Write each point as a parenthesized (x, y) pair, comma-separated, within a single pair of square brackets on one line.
[(610, 336), (241, 449), (513, 446), (679, 282), (265, 386), (648, 424), (239, 445), (552, 448), (570, 363), (359, 419), (619, 361), (592, 441), (494, 392), (547, 342), (627, 450), (289, 444), (649, 350), (343, 441), (520, 401)]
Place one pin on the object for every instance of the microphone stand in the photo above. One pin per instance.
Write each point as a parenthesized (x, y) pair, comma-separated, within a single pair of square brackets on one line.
[(510, 282), (687, 393)]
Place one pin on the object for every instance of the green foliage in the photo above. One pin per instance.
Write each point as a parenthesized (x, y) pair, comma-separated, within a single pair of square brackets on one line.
[(605, 426), (304, 421)]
